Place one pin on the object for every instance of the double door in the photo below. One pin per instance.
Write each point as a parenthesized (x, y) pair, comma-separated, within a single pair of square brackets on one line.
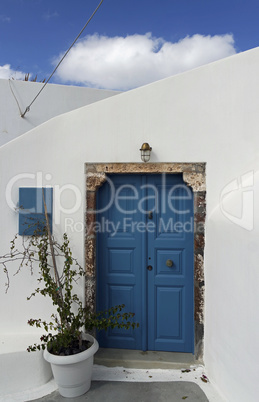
[(145, 260)]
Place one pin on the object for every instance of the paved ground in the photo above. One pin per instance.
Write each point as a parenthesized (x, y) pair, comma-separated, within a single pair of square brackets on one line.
[(137, 377), (114, 391), (118, 384)]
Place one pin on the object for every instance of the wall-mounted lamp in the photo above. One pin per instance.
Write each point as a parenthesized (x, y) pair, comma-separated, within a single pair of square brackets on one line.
[(145, 152)]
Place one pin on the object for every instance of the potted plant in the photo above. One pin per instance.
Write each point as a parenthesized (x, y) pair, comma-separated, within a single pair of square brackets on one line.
[(67, 341)]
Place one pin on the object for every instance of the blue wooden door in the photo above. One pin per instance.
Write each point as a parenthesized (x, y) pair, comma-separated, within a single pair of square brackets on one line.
[(145, 260)]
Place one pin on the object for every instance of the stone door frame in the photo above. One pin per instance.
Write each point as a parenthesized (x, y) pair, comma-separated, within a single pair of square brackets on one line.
[(194, 175)]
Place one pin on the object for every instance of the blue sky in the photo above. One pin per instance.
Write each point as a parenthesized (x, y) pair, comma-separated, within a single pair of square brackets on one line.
[(128, 43)]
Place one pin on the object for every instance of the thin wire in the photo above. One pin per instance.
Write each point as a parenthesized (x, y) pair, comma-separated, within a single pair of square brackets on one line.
[(15, 97), (55, 69)]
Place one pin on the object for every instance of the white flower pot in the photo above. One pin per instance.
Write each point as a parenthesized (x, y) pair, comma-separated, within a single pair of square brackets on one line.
[(73, 373)]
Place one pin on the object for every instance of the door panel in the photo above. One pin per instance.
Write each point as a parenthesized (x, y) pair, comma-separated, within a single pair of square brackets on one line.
[(170, 289), (167, 321), (151, 217), (119, 258)]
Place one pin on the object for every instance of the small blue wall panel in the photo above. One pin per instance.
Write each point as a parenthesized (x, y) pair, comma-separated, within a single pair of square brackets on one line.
[(31, 209)]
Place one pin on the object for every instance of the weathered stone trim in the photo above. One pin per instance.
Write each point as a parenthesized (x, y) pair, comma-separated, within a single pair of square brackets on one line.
[(193, 176), (195, 180), (191, 170)]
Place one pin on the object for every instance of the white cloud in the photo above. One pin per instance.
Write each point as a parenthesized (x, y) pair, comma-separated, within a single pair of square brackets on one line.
[(4, 18), (47, 16), (6, 72), (128, 62)]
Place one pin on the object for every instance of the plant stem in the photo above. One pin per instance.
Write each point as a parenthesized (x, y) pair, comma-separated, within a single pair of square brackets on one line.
[(59, 288)]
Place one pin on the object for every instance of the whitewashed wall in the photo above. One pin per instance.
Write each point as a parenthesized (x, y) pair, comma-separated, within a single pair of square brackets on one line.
[(207, 115), (54, 100)]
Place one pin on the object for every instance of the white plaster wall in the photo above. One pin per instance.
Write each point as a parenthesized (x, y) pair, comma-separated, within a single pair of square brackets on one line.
[(54, 100), (206, 115)]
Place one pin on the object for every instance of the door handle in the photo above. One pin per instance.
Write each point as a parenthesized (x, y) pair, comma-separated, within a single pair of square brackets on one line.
[(169, 263), (149, 267), (150, 215)]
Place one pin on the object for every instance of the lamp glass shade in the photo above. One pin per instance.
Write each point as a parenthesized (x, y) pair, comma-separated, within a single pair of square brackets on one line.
[(145, 155), (145, 152)]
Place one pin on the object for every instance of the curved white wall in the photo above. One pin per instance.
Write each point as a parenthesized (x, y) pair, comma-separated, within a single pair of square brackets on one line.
[(21, 371), (54, 100), (206, 115)]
